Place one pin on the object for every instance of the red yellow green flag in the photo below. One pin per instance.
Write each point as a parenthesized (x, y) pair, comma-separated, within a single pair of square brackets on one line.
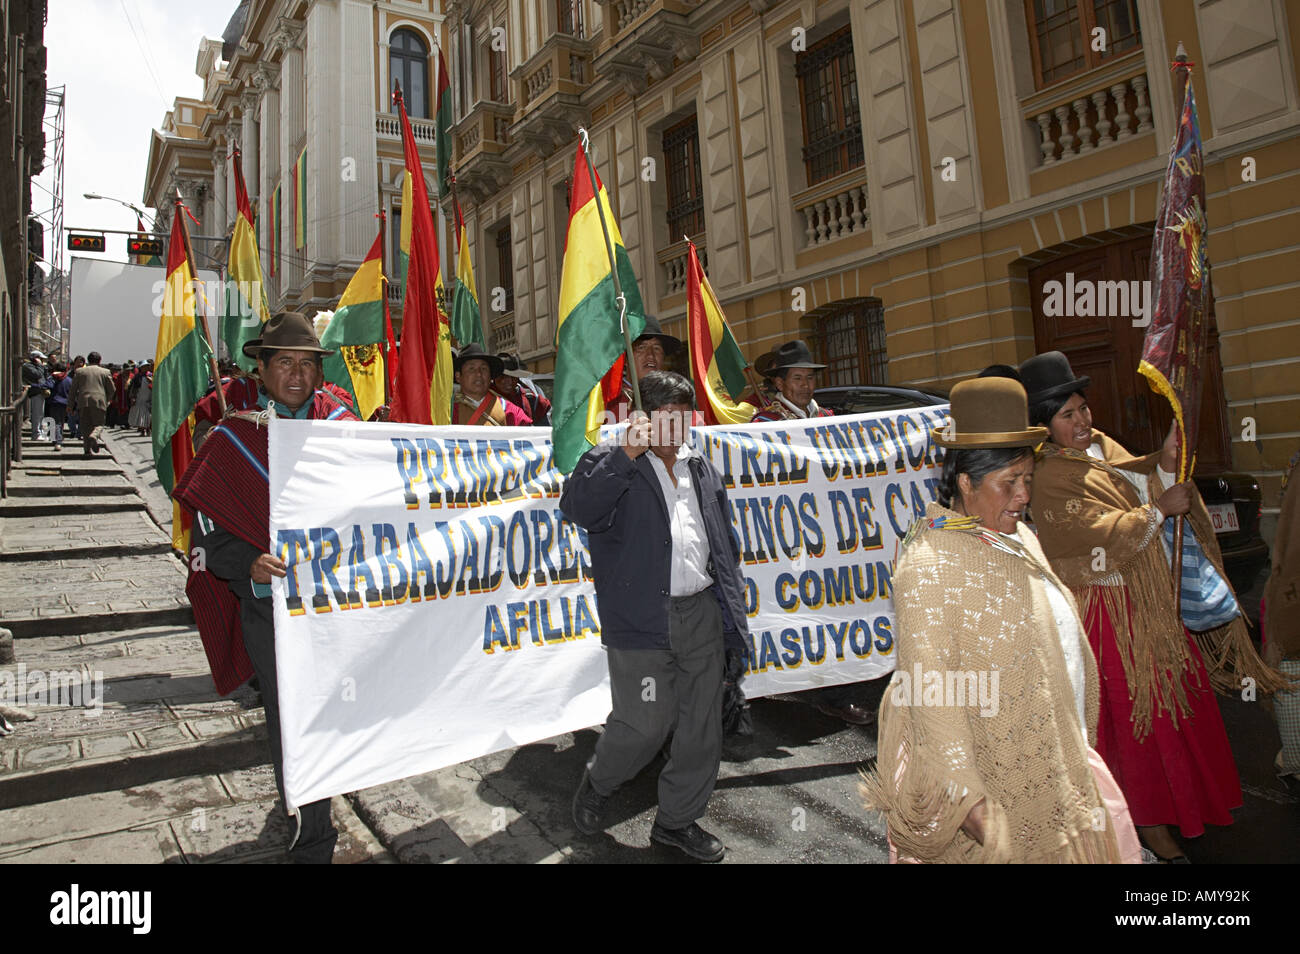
[(180, 377), (589, 345), (442, 123), (356, 335), (424, 375), (716, 360), (245, 302)]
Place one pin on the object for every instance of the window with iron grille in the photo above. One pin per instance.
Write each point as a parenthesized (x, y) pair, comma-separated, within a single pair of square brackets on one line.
[(851, 342), (682, 169), (497, 89), (1061, 35), (408, 64), (569, 17), (505, 266), (828, 93)]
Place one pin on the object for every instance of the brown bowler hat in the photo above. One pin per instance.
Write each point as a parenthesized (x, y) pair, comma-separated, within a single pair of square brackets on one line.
[(989, 412), (286, 331)]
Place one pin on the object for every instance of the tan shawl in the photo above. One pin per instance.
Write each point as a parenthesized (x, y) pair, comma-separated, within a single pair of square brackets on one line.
[(1100, 538), (1282, 593), (962, 606)]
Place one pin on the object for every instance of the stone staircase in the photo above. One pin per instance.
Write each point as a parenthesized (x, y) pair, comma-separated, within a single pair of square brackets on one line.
[(132, 756)]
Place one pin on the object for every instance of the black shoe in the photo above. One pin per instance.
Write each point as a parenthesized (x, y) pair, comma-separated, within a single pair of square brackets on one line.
[(692, 840), (852, 714), (588, 806)]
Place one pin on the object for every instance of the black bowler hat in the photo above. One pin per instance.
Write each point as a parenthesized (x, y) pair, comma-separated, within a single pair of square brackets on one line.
[(1049, 375), (792, 354), (513, 365), (475, 350), (653, 329), (286, 331)]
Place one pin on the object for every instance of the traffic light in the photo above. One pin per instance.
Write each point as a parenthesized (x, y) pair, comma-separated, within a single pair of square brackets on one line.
[(81, 242), (143, 246)]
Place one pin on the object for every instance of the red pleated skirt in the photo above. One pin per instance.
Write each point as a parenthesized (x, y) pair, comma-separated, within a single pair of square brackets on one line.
[(1182, 776)]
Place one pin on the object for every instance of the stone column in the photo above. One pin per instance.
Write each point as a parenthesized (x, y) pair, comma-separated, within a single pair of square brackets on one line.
[(267, 79), (232, 137), (288, 37), (219, 218), (248, 141)]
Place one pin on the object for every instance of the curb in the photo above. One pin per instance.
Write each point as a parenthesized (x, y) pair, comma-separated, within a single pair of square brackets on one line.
[(63, 508), (88, 553)]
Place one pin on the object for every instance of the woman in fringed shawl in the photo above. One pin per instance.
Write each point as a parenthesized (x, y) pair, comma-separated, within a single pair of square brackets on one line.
[(985, 729), (1098, 511)]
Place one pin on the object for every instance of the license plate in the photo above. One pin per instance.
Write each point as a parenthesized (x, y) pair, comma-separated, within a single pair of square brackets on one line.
[(1223, 517)]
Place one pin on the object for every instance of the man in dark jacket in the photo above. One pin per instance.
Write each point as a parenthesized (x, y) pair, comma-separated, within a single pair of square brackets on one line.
[(669, 592)]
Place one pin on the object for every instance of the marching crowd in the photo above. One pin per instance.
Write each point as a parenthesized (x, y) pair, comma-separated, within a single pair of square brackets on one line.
[(83, 395), (1106, 736)]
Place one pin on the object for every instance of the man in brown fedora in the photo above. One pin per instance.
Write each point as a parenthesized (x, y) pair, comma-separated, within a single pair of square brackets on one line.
[(477, 404), (793, 373), (285, 333), (226, 488)]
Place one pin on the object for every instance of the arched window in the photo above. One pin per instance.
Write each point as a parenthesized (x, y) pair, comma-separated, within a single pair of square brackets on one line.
[(408, 64)]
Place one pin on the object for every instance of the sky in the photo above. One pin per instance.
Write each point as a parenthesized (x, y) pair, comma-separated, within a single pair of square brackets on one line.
[(123, 63)]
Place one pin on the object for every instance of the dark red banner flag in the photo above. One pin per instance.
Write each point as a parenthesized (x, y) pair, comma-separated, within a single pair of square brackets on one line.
[(1173, 352)]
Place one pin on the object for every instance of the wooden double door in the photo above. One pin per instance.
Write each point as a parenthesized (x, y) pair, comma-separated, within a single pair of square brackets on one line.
[(1108, 350)]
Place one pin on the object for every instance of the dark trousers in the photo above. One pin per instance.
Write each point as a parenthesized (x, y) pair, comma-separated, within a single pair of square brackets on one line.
[(655, 692), (317, 835), (60, 414), (92, 419)]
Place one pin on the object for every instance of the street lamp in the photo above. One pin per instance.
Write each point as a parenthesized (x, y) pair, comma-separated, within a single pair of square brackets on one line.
[(134, 208)]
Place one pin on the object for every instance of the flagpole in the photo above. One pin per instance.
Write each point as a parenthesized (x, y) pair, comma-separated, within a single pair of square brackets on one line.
[(199, 307), (619, 298), (1181, 68), (383, 285)]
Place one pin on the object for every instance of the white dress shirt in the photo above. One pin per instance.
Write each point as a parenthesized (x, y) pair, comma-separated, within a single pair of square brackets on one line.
[(690, 563)]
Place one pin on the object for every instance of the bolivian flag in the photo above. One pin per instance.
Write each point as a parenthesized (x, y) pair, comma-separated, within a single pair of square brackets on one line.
[(442, 123), (246, 309), (466, 323), (717, 364), (424, 374), (180, 377), (589, 344), (356, 335)]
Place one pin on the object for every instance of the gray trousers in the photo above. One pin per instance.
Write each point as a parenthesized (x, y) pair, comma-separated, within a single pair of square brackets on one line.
[(37, 411), (315, 841), (656, 692)]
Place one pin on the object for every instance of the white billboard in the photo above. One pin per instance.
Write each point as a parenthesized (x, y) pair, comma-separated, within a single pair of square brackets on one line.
[(116, 308)]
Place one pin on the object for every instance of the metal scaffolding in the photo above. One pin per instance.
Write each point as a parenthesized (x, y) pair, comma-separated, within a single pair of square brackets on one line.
[(55, 291)]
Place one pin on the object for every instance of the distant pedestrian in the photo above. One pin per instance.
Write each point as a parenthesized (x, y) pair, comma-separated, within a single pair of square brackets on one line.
[(94, 391), (74, 416), (37, 379), (58, 404), (142, 399)]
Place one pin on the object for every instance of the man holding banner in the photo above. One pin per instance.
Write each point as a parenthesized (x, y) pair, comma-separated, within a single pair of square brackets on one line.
[(669, 592), (226, 486)]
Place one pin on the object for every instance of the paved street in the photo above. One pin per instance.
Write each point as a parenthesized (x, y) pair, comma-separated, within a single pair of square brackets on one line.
[(171, 772)]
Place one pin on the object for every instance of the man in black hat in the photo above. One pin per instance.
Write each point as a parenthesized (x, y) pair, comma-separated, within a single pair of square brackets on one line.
[(650, 352), (477, 403), (513, 385), (289, 360), (793, 373)]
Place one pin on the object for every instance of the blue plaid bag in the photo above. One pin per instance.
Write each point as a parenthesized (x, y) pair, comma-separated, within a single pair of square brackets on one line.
[(1205, 598)]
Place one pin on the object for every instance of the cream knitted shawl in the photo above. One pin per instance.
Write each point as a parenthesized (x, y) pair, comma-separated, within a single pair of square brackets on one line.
[(963, 605)]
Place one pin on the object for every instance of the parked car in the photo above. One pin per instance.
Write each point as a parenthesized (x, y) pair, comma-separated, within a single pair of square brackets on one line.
[(1233, 500)]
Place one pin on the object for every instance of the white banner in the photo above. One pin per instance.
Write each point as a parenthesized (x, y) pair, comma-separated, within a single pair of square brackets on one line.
[(439, 606)]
